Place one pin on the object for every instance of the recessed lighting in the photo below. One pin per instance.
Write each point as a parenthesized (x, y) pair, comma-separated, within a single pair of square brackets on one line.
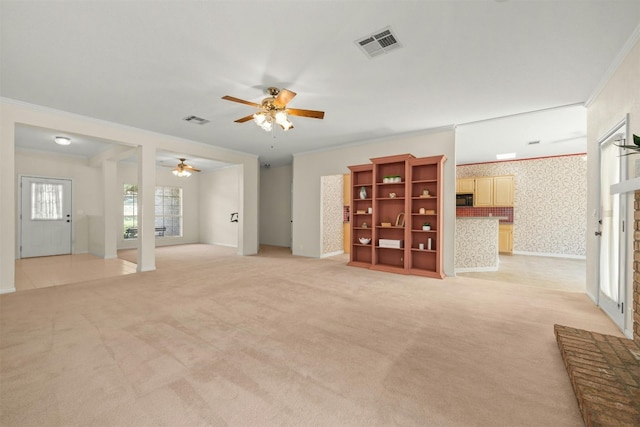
[(506, 156), (62, 140)]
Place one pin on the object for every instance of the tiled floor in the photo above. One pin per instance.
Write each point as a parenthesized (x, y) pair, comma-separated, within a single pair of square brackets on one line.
[(42, 272), (543, 272)]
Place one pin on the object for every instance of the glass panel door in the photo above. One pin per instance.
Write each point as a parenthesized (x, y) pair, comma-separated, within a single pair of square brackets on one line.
[(45, 216)]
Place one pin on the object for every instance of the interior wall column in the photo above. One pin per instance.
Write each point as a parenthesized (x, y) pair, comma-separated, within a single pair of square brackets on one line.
[(146, 207), (8, 207), (112, 206)]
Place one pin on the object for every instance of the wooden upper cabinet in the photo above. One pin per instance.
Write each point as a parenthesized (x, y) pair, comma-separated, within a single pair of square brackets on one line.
[(503, 190), (493, 191), (483, 192), (465, 185)]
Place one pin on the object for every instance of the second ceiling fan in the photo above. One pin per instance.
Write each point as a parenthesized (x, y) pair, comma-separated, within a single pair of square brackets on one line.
[(273, 110)]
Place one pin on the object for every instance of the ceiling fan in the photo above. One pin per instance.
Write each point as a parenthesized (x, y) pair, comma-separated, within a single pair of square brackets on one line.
[(274, 110), (183, 170)]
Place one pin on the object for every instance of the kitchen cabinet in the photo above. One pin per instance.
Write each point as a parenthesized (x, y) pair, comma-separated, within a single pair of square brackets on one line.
[(503, 190), (505, 238), (483, 192), (404, 193), (493, 191), (465, 185)]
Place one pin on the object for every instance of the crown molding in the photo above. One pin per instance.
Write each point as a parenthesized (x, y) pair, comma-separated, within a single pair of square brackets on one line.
[(617, 61)]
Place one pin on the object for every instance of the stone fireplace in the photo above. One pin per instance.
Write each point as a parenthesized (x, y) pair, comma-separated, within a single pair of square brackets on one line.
[(605, 370)]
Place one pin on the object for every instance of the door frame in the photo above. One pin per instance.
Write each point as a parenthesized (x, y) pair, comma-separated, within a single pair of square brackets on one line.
[(19, 209), (608, 306)]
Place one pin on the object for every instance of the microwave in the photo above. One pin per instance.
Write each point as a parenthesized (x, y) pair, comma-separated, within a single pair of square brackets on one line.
[(464, 200)]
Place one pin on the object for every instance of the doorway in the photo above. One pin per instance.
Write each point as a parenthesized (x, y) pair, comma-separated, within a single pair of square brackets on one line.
[(612, 227), (45, 216), (331, 215)]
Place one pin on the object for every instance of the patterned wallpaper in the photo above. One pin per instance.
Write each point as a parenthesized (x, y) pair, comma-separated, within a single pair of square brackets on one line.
[(550, 203), (478, 250), (332, 214)]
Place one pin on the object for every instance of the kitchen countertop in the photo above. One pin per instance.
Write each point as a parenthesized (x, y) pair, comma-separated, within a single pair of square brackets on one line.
[(482, 217)]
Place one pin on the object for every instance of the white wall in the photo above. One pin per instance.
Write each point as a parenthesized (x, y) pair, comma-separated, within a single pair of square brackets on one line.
[(218, 199), (308, 168), (275, 206), (619, 96)]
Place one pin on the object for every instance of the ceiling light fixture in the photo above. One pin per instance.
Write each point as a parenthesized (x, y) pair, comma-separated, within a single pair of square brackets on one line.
[(267, 117), (184, 170), (62, 140), (506, 156), (181, 173), (271, 112)]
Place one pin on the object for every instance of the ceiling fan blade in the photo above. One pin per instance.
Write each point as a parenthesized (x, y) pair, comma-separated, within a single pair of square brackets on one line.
[(244, 119), (191, 168), (241, 101), (306, 113), (283, 98)]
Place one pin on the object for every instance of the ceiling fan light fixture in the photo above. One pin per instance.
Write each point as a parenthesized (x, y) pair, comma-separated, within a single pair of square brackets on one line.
[(273, 109), (267, 126), (286, 126), (259, 118), (62, 140), (181, 173), (281, 118)]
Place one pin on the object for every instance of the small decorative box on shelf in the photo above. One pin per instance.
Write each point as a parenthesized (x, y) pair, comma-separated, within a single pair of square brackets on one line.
[(391, 243)]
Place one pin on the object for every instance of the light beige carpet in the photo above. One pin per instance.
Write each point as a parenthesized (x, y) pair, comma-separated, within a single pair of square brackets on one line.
[(212, 338)]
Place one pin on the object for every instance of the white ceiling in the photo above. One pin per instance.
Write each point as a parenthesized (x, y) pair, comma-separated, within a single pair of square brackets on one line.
[(150, 64)]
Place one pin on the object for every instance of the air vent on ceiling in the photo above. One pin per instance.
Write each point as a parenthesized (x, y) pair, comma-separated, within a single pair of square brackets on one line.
[(195, 119), (533, 142), (380, 42)]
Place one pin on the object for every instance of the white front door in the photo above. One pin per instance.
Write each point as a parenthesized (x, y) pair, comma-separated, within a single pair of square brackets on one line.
[(45, 216), (612, 232)]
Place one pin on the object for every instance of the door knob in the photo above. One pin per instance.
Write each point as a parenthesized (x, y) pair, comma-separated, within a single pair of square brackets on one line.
[(598, 233)]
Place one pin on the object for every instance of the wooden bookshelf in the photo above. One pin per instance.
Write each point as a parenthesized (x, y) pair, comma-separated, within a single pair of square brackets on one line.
[(395, 190), (361, 255)]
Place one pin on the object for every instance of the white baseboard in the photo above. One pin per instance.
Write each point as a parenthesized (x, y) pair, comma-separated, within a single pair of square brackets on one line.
[(475, 269), (331, 254), (7, 291), (550, 255), (591, 297), (226, 245)]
